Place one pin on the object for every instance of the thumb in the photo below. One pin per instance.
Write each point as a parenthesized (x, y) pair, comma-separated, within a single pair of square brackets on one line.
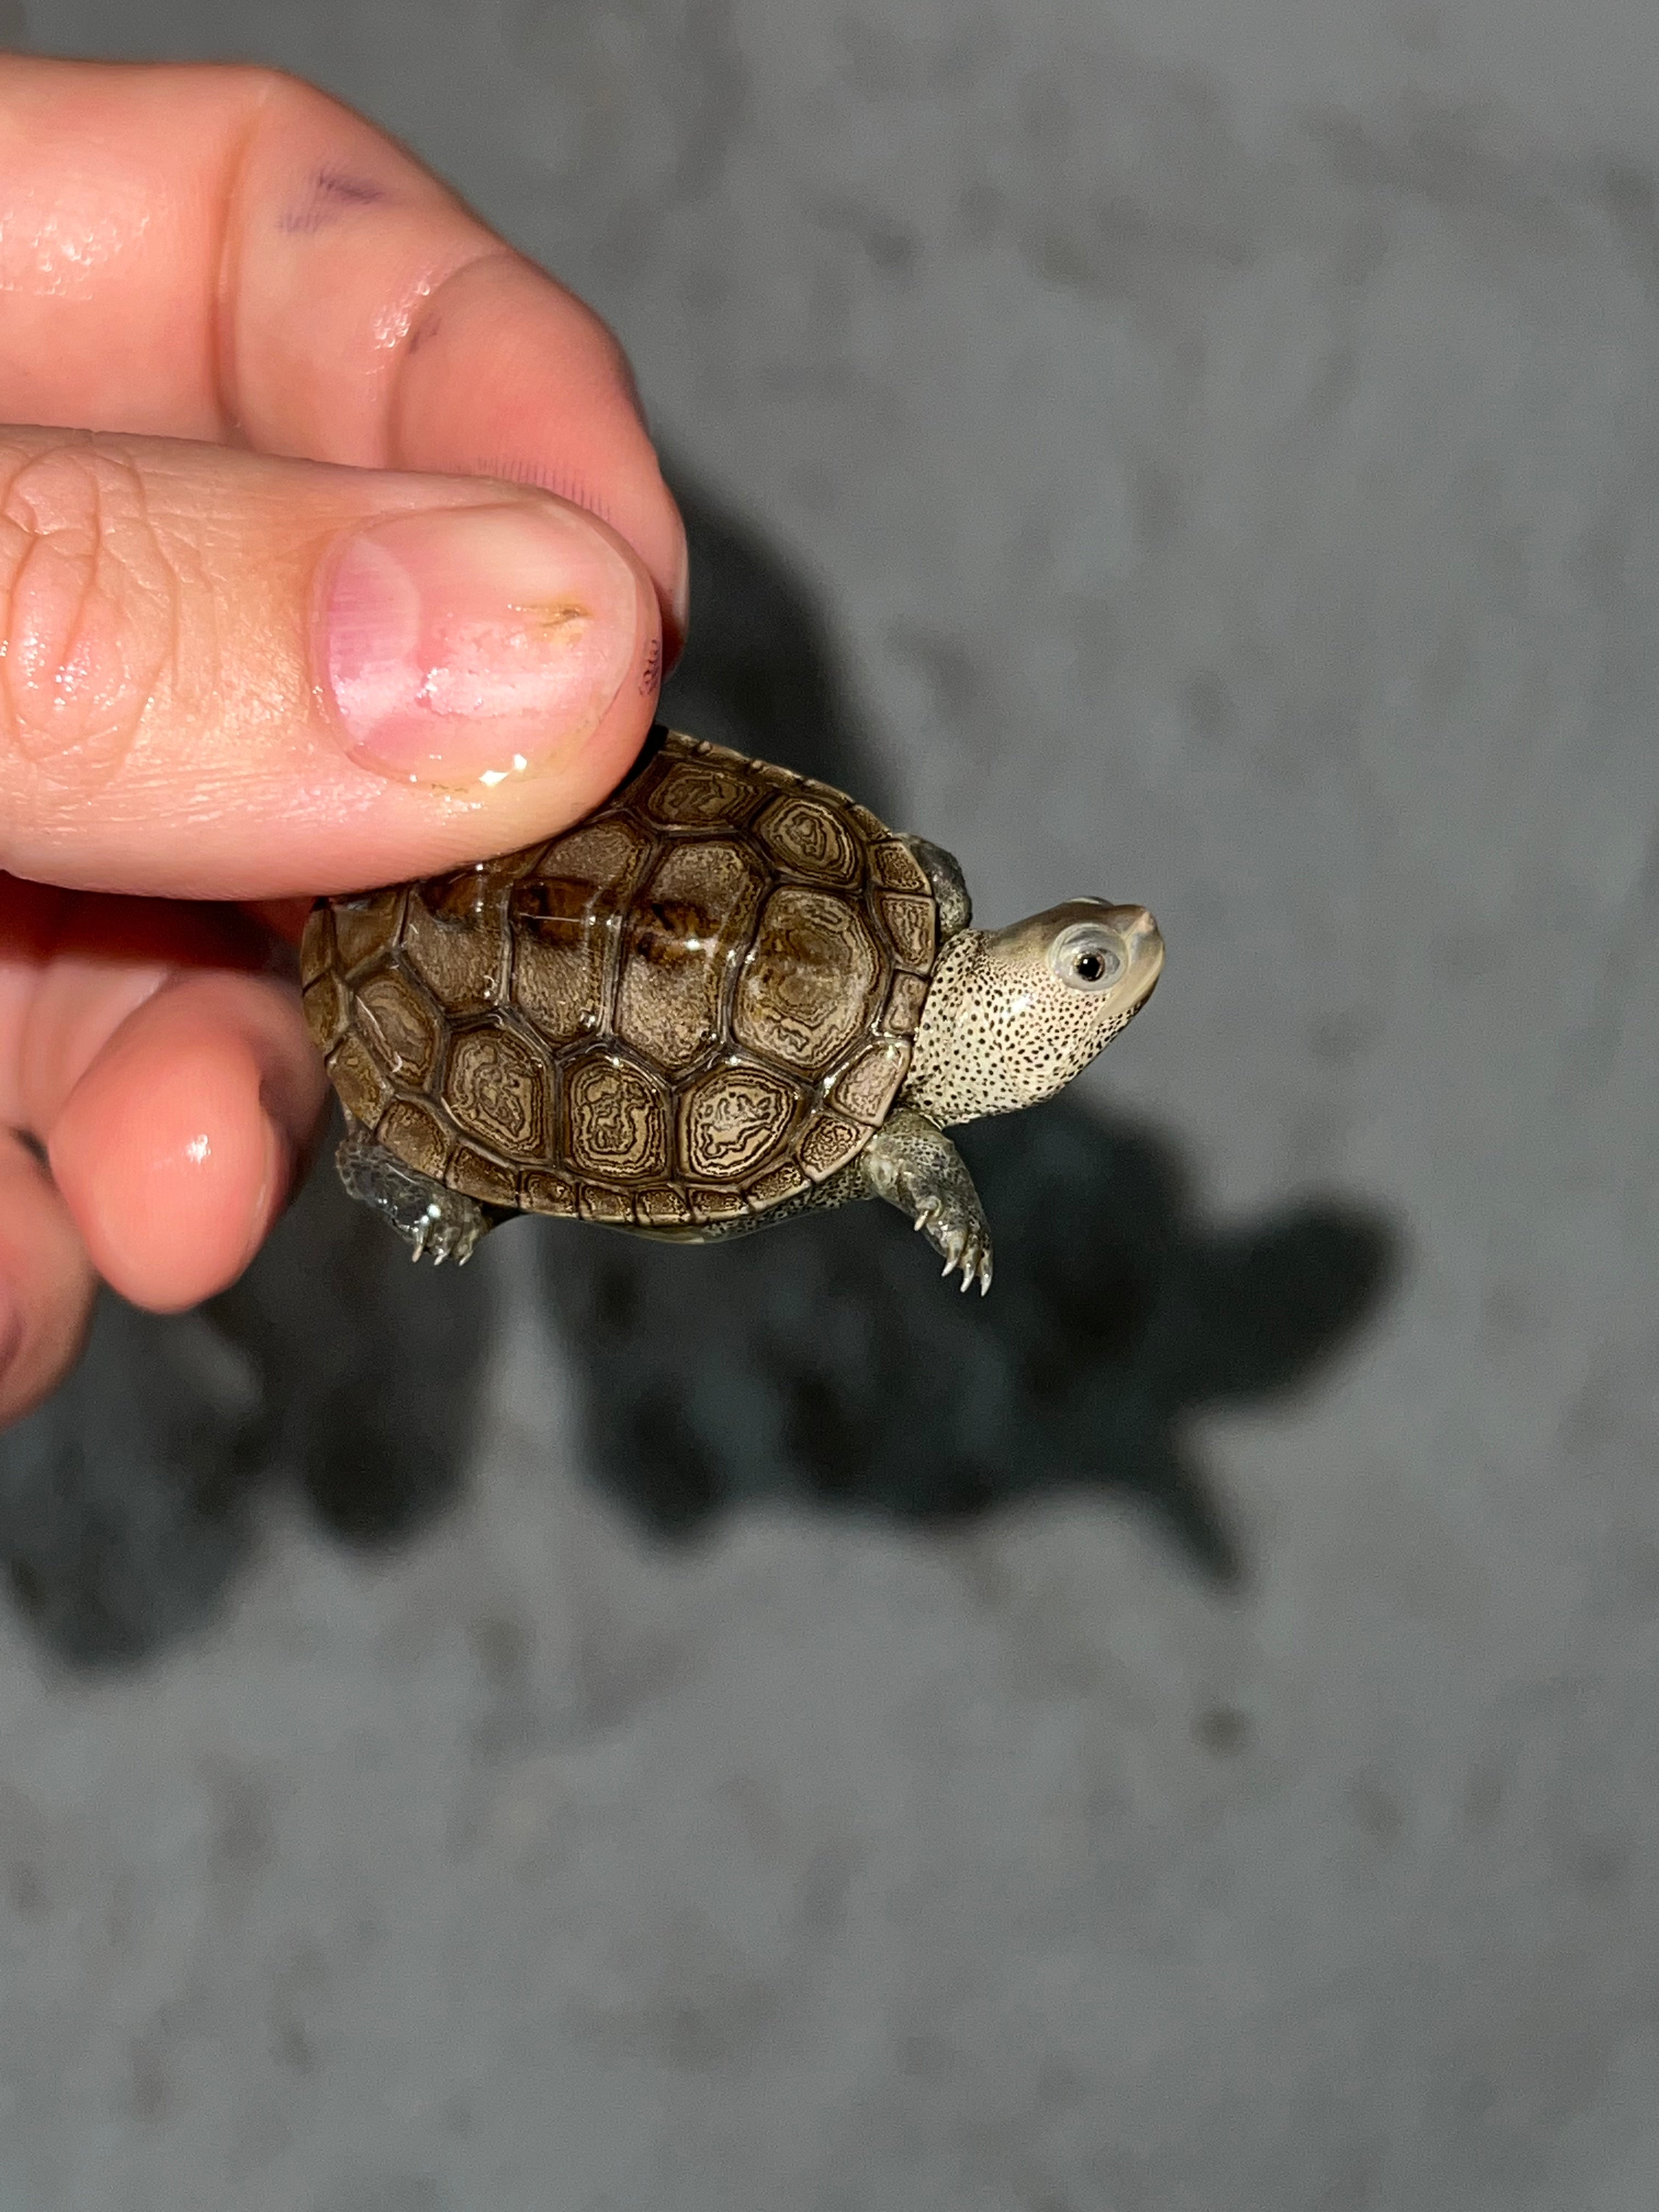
[(224, 676)]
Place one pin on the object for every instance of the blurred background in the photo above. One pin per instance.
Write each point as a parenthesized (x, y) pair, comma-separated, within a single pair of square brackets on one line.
[(622, 1728)]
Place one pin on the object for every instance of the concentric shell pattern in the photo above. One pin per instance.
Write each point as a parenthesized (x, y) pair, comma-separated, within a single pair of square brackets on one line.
[(697, 1002)]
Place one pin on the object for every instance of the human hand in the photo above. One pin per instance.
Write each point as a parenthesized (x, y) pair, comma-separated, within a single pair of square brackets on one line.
[(258, 637)]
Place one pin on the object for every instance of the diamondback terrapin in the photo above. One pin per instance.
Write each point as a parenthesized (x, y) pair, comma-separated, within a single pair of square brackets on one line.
[(727, 996)]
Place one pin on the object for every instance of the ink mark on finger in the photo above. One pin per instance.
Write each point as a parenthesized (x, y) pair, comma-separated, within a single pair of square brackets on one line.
[(651, 674), (423, 328), (331, 194)]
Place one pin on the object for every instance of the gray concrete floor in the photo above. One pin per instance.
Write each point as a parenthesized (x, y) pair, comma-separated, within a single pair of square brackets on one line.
[(1208, 451)]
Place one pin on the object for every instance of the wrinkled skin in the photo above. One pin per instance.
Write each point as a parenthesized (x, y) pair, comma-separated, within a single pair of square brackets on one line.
[(162, 740)]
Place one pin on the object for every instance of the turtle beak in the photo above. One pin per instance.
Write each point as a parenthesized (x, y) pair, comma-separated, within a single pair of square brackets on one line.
[(1143, 946)]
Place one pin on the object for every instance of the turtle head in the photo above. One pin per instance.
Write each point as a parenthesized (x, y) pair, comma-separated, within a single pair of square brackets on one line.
[(1013, 1014)]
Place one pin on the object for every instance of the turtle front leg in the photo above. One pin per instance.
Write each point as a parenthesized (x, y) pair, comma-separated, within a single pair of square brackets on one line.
[(944, 872), (912, 1165), (448, 1224)]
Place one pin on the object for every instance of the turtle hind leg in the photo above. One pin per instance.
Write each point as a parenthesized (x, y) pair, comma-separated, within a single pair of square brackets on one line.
[(912, 1165), (429, 1217)]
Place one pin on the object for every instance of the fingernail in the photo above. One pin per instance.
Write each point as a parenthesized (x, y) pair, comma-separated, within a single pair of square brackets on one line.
[(463, 645)]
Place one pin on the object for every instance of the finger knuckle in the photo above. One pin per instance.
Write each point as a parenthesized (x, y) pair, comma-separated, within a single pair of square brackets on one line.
[(289, 115), (279, 98), (89, 608)]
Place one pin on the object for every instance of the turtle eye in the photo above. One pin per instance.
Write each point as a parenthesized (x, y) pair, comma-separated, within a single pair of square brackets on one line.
[(1087, 957)]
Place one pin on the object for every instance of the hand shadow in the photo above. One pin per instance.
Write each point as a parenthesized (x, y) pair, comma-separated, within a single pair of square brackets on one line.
[(128, 1503), (821, 1360)]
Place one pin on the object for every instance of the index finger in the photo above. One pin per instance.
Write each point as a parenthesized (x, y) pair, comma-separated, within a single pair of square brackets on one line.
[(227, 253)]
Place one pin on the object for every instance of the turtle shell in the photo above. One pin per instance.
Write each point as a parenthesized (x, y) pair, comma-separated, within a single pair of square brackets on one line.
[(695, 1003)]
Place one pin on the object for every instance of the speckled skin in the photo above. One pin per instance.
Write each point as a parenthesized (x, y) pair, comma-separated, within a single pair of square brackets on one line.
[(1000, 1030), (730, 996)]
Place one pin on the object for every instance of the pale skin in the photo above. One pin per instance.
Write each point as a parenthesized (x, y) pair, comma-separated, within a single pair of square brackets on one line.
[(227, 279)]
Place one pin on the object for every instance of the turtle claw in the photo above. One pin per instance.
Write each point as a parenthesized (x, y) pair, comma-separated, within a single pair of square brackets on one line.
[(440, 1235), (973, 1258), (966, 1250), (912, 1165), (443, 1241), (434, 1222)]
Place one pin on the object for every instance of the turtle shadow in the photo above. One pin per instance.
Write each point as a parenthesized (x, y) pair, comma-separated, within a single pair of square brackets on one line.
[(822, 1364), (821, 1361)]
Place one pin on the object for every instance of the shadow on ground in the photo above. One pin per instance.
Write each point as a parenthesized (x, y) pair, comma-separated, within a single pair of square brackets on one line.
[(820, 1362), (824, 1361)]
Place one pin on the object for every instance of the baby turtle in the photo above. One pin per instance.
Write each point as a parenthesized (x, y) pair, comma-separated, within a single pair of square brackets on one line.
[(728, 996)]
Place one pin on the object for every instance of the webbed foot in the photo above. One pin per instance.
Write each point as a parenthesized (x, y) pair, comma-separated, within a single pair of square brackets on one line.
[(912, 1165), (431, 1219)]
